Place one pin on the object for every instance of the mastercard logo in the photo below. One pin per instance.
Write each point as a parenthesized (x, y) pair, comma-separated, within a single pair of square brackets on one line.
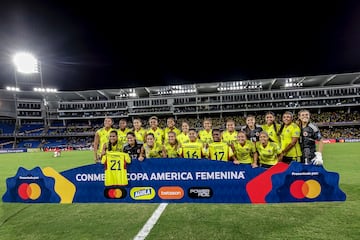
[(29, 191), (305, 189), (115, 193)]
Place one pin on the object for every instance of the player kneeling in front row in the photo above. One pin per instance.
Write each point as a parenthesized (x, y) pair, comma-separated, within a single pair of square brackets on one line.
[(115, 163), (218, 150)]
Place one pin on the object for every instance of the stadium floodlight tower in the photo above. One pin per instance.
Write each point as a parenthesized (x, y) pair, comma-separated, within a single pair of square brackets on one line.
[(26, 63)]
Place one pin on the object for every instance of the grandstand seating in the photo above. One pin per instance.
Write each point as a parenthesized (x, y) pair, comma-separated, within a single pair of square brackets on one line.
[(332, 99)]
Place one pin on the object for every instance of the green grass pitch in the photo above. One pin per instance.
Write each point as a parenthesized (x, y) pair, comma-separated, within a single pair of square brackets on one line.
[(325, 220)]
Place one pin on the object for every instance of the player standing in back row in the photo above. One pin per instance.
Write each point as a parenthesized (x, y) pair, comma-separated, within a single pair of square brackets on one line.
[(310, 133), (101, 138), (251, 129)]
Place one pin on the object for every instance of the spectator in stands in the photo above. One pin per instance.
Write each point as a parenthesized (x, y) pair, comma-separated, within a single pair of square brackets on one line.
[(229, 136), (205, 135), (183, 137), (151, 149), (155, 130), (170, 122), (171, 147), (139, 132), (194, 148), (122, 131), (289, 138), (310, 133), (251, 129), (219, 150), (245, 151), (269, 152), (101, 138), (271, 127), (132, 147)]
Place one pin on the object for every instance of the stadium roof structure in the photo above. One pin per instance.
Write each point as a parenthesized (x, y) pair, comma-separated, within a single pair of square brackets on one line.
[(331, 80)]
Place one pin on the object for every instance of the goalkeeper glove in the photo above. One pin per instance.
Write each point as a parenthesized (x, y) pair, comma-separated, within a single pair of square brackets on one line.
[(317, 160)]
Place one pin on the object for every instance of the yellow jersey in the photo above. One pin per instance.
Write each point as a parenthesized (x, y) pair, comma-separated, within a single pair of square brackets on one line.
[(118, 147), (166, 132), (115, 168), (229, 137), (206, 136), (140, 135), (192, 150), (122, 136), (154, 152), (268, 154), (286, 136), (220, 151), (273, 137), (182, 138), (244, 154), (158, 134), (171, 150), (103, 138)]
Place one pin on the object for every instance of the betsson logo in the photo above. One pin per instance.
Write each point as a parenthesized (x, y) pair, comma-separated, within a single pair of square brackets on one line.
[(171, 192)]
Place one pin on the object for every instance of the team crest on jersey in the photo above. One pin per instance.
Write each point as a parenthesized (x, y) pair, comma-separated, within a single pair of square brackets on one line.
[(305, 134), (257, 134)]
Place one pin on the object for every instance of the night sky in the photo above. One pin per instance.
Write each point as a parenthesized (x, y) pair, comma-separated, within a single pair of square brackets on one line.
[(106, 45)]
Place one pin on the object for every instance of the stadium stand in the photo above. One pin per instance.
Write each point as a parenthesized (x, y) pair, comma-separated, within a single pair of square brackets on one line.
[(71, 118)]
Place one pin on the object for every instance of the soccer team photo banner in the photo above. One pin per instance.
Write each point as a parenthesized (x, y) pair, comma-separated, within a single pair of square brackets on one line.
[(178, 181)]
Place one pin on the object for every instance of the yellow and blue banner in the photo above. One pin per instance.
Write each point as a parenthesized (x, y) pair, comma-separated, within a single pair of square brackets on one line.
[(179, 181)]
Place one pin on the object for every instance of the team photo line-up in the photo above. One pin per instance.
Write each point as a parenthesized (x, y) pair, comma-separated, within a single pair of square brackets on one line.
[(257, 145)]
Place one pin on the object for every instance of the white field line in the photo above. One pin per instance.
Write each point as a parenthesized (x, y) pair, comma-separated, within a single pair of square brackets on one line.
[(142, 234)]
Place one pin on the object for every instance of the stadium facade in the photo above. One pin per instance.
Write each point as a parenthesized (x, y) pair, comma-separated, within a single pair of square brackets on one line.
[(233, 98)]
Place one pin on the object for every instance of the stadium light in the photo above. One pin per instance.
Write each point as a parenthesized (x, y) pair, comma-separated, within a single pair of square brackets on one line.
[(13, 89), (26, 63), (240, 85)]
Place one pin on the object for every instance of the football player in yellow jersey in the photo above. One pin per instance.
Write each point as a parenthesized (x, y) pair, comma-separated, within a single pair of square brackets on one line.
[(218, 150), (183, 137), (269, 152), (229, 136), (245, 151), (115, 162), (155, 130), (101, 138), (170, 149), (113, 144), (289, 139), (140, 133), (122, 131), (150, 149), (205, 135), (170, 122), (271, 127), (194, 148)]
